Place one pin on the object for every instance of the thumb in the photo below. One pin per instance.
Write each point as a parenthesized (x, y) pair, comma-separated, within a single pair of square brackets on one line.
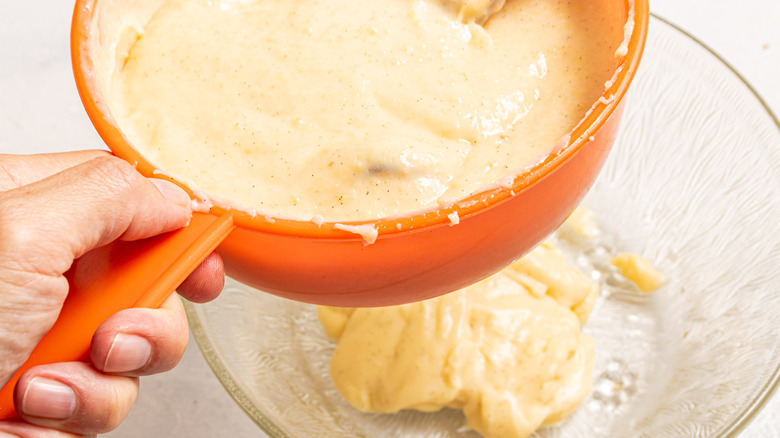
[(45, 225), (51, 222)]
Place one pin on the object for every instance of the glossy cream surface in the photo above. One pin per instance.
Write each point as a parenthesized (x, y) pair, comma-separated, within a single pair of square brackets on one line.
[(508, 351), (352, 110)]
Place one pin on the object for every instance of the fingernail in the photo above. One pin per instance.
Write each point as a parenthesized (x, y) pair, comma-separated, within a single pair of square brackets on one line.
[(172, 192), (48, 398), (127, 353)]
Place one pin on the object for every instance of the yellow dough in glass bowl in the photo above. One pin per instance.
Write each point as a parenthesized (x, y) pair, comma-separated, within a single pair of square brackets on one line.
[(508, 350)]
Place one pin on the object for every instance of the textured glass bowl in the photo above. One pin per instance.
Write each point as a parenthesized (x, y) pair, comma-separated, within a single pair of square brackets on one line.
[(693, 184)]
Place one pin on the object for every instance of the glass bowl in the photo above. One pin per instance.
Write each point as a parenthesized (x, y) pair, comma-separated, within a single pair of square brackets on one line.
[(692, 184)]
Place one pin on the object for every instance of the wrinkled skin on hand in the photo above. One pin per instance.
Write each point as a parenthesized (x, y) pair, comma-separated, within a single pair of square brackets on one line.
[(53, 209)]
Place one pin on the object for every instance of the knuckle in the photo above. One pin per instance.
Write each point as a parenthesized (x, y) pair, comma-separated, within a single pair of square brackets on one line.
[(116, 173), (18, 239), (25, 245), (112, 179), (15, 233)]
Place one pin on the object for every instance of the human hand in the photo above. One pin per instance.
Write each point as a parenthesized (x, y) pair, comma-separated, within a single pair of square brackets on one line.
[(53, 209)]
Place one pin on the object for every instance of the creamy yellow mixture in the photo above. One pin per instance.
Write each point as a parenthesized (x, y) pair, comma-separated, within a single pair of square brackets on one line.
[(348, 109), (639, 271), (508, 351)]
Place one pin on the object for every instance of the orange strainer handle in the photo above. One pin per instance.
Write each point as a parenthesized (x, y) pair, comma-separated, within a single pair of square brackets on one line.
[(119, 276)]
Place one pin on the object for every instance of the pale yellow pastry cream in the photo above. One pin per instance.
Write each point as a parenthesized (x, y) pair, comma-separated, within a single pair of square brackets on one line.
[(639, 270), (508, 350), (344, 109)]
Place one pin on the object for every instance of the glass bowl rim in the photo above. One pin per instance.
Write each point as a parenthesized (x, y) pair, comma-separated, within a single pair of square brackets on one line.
[(232, 386)]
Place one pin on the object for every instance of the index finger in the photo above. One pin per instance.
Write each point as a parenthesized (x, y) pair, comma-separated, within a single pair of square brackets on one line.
[(20, 170)]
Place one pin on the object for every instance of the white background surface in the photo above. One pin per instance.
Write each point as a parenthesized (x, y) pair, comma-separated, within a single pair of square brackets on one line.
[(40, 112)]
